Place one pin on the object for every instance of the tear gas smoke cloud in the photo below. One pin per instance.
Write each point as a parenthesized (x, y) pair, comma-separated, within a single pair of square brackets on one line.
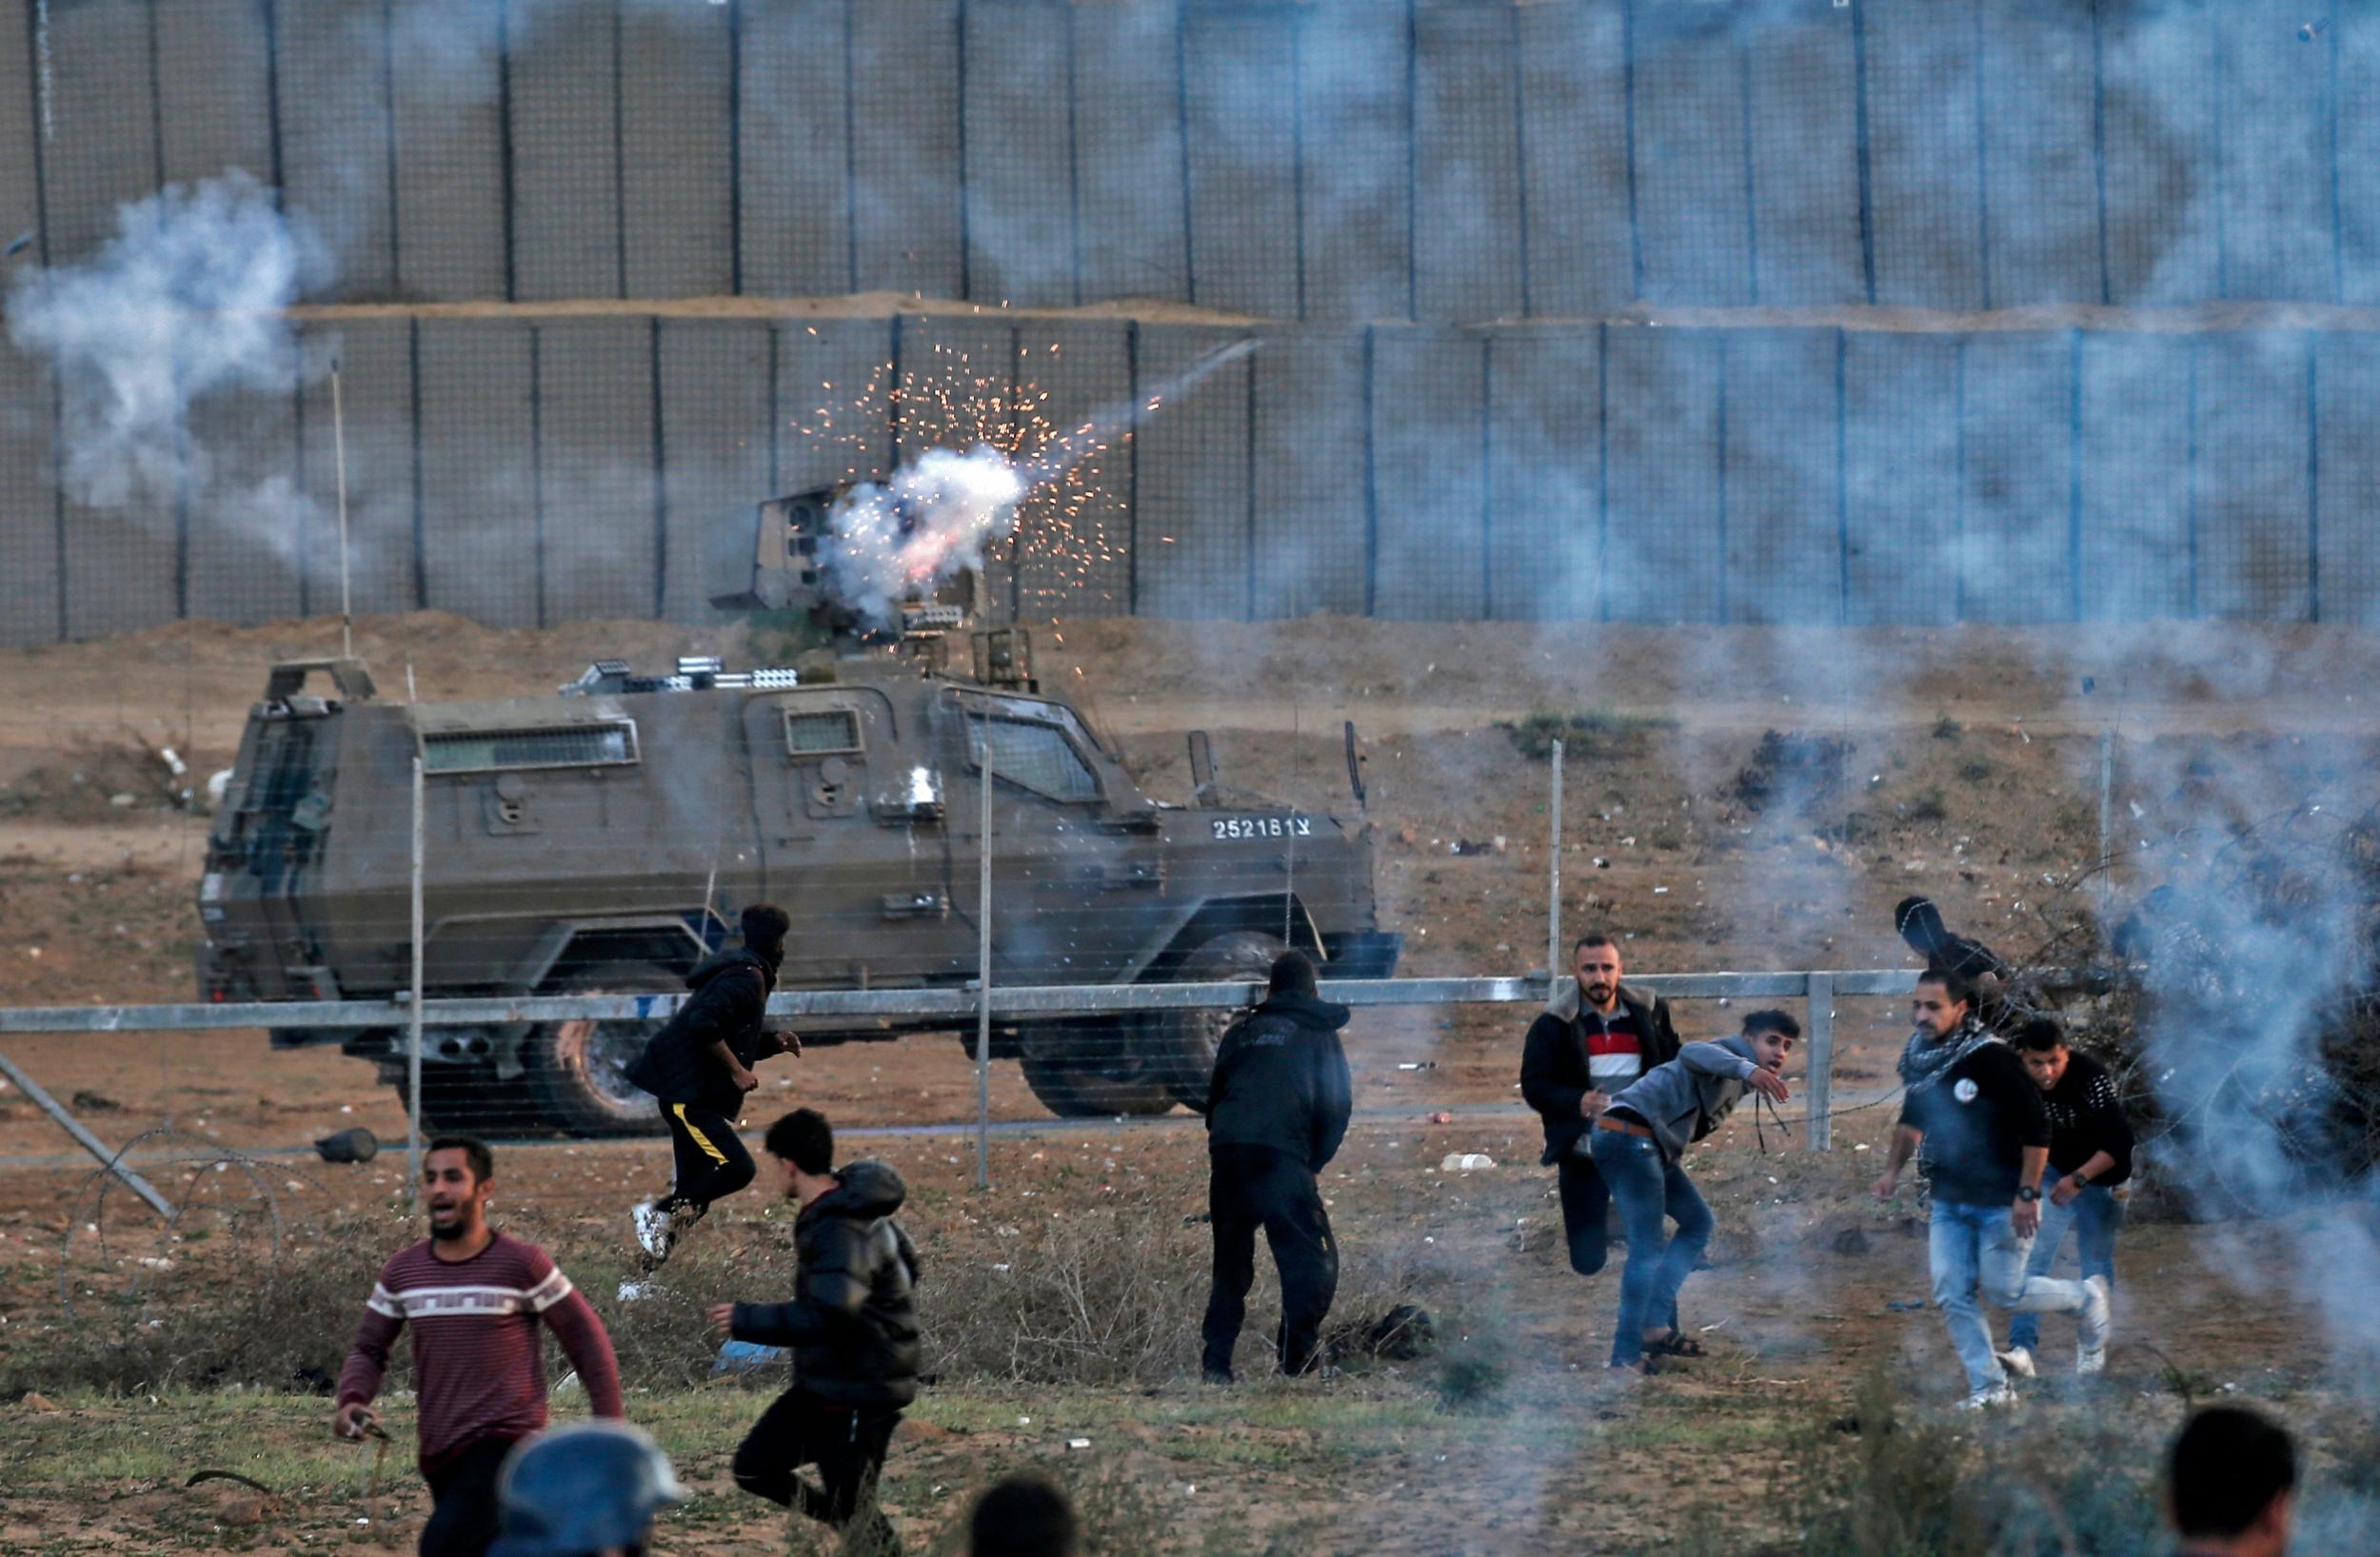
[(895, 540), (187, 299)]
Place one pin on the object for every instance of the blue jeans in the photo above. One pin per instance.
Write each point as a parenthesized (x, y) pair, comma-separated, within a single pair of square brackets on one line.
[(1646, 1189), (1977, 1246), (2096, 1217)]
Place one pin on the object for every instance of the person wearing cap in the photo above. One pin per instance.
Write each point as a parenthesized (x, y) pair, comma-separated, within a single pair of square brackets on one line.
[(590, 1490), (2231, 1485), (700, 1066), (2091, 1156)]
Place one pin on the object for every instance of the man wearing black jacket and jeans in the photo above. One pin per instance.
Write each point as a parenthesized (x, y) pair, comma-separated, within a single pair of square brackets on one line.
[(2091, 1156), (1987, 1134), (700, 1066), (1591, 1041), (853, 1330), (1276, 1109)]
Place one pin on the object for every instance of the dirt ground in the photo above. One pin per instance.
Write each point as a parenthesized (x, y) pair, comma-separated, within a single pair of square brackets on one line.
[(1965, 765)]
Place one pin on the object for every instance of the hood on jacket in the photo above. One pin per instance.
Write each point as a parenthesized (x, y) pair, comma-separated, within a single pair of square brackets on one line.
[(1305, 1011), (1566, 999), (863, 1191), (733, 956)]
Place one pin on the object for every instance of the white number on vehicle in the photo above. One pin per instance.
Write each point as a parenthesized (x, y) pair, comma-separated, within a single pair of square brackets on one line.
[(1233, 829)]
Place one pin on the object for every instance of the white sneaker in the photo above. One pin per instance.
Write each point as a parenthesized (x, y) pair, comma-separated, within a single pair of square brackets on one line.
[(2092, 1327), (1989, 1398), (654, 1230), (2017, 1360), (632, 1291)]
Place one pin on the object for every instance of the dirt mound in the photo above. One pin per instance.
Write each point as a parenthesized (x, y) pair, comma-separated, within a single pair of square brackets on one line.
[(98, 780)]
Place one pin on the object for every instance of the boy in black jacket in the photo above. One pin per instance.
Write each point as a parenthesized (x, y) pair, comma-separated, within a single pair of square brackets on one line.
[(2091, 1155), (1275, 1111), (700, 1066), (853, 1331)]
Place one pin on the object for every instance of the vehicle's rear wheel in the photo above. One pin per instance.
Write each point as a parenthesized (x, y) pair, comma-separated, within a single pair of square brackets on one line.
[(577, 1069), (1091, 1070), (1181, 1045)]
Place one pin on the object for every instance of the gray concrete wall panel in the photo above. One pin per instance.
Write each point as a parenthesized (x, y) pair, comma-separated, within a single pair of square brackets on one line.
[(1354, 188), (675, 170), (479, 479), (1573, 141), (2358, 165), (1693, 185), (958, 383), (834, 406), (1783, 481), (2347, 372), (248, 520), (121, 562), (1900, 474), (1805, 162), (450, 151), (1074, 531), (1020, 152), (2040, 180), (2138, 405), (796, 190), (376, 382), (29, 530), (1429, 446), (1544, 463), (102, 149), (335, 137), (2162, 178), (1661, 412), (2015, 541), (1925, 162), (597, 489), (2256, 515), (215, 106), (1128, 119), (905, 150), (1468, 257), (1191, 557), (1309, 524), (566, 190), (715, 442), (2274, 161), (1241, 72), (20, 133)]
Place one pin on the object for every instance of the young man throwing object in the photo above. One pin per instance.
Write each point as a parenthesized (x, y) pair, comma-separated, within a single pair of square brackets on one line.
[(853, 1330), (474, 1298), (2090, 1153)]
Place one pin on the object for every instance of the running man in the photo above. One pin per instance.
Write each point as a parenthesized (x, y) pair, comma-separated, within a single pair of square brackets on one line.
[(2090, 1153), (475, 1297)]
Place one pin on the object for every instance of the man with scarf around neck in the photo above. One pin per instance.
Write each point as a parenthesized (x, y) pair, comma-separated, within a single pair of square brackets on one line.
[(1970, 1098), (700, 1066), (1275, 1111)]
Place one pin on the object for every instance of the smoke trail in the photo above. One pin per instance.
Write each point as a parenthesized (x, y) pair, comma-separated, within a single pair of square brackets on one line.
[(185, 299)]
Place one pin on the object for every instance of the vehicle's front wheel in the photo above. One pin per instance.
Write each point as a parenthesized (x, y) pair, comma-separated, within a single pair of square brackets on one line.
[(577, 1069), (1181, 1045)]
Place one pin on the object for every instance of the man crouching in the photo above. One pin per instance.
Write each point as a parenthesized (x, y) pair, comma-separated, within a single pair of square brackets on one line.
[(852, 1327)]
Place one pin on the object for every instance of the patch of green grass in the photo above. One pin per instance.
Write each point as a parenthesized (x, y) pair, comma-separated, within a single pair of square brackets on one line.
[(1593, 733)]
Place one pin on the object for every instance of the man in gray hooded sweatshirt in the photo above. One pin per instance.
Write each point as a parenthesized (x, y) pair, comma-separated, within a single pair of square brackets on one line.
[(1638, 1141)]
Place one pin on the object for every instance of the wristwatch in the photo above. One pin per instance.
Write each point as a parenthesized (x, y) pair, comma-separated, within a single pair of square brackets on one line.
[(2028, 1194)]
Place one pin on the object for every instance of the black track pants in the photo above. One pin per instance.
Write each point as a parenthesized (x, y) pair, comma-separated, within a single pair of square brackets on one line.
[(847, 1444), (1252, 1186), (712, 1164)]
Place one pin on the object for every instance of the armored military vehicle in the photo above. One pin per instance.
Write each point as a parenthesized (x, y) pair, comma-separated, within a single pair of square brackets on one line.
[(602, 839)]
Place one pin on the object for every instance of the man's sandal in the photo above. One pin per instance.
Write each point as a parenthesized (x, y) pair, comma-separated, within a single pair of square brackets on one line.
[(1676, 1344)]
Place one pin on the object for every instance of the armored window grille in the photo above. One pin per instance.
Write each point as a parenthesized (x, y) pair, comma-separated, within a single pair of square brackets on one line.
[(821, 732), (564, 746), (1037, 756)]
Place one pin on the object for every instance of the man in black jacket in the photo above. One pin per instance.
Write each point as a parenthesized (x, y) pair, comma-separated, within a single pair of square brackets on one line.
[(1593, 1039), (853, 1331), (700, 1066), (1922, 931), (1276, 1111), (2091, 1156)]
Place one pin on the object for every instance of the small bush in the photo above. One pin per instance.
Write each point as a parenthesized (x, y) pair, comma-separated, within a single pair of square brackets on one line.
[(1947, 728), (1928, 806), (1599, 731), (1975, 770)]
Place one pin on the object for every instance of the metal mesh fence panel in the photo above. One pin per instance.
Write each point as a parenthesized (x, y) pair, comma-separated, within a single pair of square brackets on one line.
[(2347, 434), (1803, 104), (834, 413), (1429, 435), (2158, 81), (2355, 131), (29, 609), (214, 89), (794, 188), (2039, 184), (1240, 82), (337, 149), (1545, 464), (1018, 182), (1310, 518), (99, 146), (1692, 99), (713, 383), (446, 107), (904, 152), (2140, 475), (565, 148), (1468, 253), (478, 471), (2254, 412), (1661, 408), (1781, 479), (376, 364), (2016, 470), (1074, 535), (1132, 189), (676, 170), (2276, 232), (1355, 147), (1900, 477), (1190, 533), (596, 493), (247, 519), (1924, 152)]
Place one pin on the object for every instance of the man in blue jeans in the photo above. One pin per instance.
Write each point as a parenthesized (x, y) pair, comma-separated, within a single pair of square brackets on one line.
[(1638, 1141), (1989, 1136), (2091, 1152)]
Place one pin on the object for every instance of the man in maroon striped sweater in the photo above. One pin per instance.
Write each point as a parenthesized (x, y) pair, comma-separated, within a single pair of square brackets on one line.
[(475, 1297)]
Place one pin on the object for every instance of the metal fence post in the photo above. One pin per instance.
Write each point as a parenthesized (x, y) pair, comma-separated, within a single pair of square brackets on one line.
[(1554, 875), (984, 967), (413, 1043), (1819, 1089), (2107, 813), (112, 1161)]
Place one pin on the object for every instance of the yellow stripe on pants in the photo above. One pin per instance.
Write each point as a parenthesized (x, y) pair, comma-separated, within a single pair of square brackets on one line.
[(700, 1139)]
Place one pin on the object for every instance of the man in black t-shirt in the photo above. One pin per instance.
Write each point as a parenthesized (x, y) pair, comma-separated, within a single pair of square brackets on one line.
[(2091, 1155), (1988, 1134)]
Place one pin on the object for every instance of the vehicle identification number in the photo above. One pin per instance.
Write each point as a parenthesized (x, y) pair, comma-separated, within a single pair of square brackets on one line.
[(1232, 828)]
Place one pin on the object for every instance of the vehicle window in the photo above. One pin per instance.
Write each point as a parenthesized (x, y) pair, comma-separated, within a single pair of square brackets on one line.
[(821, 732), (1036, 755), (567, 746)]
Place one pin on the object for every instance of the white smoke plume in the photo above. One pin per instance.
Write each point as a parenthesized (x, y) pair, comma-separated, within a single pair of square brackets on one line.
[(896, 540), (188, 298)]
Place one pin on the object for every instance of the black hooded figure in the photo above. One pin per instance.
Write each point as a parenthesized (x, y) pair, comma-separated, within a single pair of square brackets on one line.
[(700, 1066), (1276, 1109), (1920, 926)]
